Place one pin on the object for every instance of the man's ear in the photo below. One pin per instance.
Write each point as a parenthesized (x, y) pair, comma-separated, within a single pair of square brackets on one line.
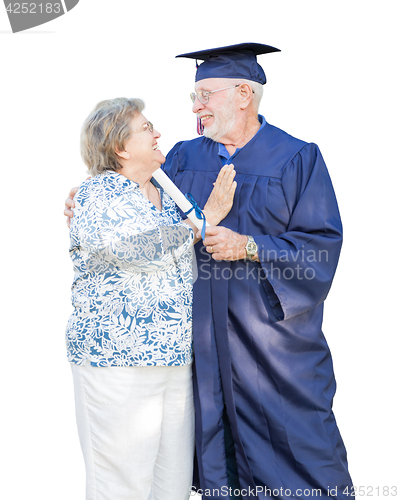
[(245, 93), (123, 154)]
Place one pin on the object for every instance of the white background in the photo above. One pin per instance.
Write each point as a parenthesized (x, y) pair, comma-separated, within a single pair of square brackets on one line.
[(334, 83)]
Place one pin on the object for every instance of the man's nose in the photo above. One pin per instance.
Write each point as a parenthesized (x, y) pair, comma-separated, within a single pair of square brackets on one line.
[(197, 105)]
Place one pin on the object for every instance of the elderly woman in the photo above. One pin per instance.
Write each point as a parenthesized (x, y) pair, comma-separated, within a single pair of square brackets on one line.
[(129, 337)]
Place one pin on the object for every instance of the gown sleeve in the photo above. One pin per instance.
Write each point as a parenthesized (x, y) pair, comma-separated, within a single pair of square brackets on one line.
[(300, 263), (171, 165)]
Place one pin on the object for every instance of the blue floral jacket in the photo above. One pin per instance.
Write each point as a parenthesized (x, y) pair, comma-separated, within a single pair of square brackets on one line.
[(132, 289)]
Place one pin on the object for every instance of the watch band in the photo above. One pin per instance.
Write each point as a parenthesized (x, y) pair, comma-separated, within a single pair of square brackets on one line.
[(251, 248)]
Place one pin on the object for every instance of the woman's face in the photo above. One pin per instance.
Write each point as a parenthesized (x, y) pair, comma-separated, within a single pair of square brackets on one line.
[(142, 146)]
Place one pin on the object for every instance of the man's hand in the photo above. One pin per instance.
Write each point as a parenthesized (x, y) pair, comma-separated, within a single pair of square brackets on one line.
[(69, 204), (225, 244), (220, 200)]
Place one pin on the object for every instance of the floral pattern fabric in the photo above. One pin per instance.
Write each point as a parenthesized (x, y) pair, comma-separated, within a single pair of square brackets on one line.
[(132, 288)]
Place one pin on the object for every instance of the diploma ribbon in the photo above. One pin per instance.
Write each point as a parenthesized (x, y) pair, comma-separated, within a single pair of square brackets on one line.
[(198, 213)]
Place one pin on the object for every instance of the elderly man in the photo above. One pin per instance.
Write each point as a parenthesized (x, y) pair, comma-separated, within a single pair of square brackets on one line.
[(263, 375), (264, 381)]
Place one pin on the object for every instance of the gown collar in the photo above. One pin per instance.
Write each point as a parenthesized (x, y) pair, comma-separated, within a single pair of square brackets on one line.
[(226, 158)]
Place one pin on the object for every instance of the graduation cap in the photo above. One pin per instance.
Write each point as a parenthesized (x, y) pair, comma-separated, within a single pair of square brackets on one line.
[(233, 61)]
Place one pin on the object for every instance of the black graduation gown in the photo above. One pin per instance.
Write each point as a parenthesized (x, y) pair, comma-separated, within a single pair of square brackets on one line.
[(258, 344)]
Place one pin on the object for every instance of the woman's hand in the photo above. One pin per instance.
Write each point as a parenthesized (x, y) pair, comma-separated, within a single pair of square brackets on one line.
[(220, 200), (69, 204)]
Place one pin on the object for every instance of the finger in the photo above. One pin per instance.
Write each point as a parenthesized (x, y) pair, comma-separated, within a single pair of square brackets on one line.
[(72, 192), (217, 256), (227, 180), (68, 222), (217, 239), (212, 230), (69, 203), (222, 173), (230, 184), (209, 241), (231, 175), (232, 188), (225, 172), (226, 168), (213, 239), (68, 213)]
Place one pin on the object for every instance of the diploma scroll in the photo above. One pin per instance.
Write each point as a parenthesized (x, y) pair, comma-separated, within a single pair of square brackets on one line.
[(178, 197)]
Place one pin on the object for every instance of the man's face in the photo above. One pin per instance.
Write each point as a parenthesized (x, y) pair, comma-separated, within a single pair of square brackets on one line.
[(218, 115)]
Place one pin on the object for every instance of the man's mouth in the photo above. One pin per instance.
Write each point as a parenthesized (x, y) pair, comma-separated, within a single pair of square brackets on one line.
[(155, 147), (205, 118)]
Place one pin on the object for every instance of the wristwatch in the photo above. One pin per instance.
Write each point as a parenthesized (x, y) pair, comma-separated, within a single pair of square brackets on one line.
[(251, 248)]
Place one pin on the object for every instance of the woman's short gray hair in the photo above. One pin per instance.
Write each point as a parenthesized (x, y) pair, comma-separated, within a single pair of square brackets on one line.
[(106, 131)]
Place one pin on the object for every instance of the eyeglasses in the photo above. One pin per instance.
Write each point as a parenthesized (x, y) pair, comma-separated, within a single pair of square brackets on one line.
[(146, 126), (203, 95)]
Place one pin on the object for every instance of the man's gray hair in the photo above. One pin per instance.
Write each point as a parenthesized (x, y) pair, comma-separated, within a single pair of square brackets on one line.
[(257, 89), (106, 131)]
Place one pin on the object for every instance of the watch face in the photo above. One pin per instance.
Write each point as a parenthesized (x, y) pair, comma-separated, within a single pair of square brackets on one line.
[(251, 247)]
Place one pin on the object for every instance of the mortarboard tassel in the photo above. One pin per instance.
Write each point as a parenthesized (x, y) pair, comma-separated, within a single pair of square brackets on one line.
[(200, 127)]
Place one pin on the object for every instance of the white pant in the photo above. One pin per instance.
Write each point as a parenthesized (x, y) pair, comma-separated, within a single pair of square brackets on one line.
[(136, 430)]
